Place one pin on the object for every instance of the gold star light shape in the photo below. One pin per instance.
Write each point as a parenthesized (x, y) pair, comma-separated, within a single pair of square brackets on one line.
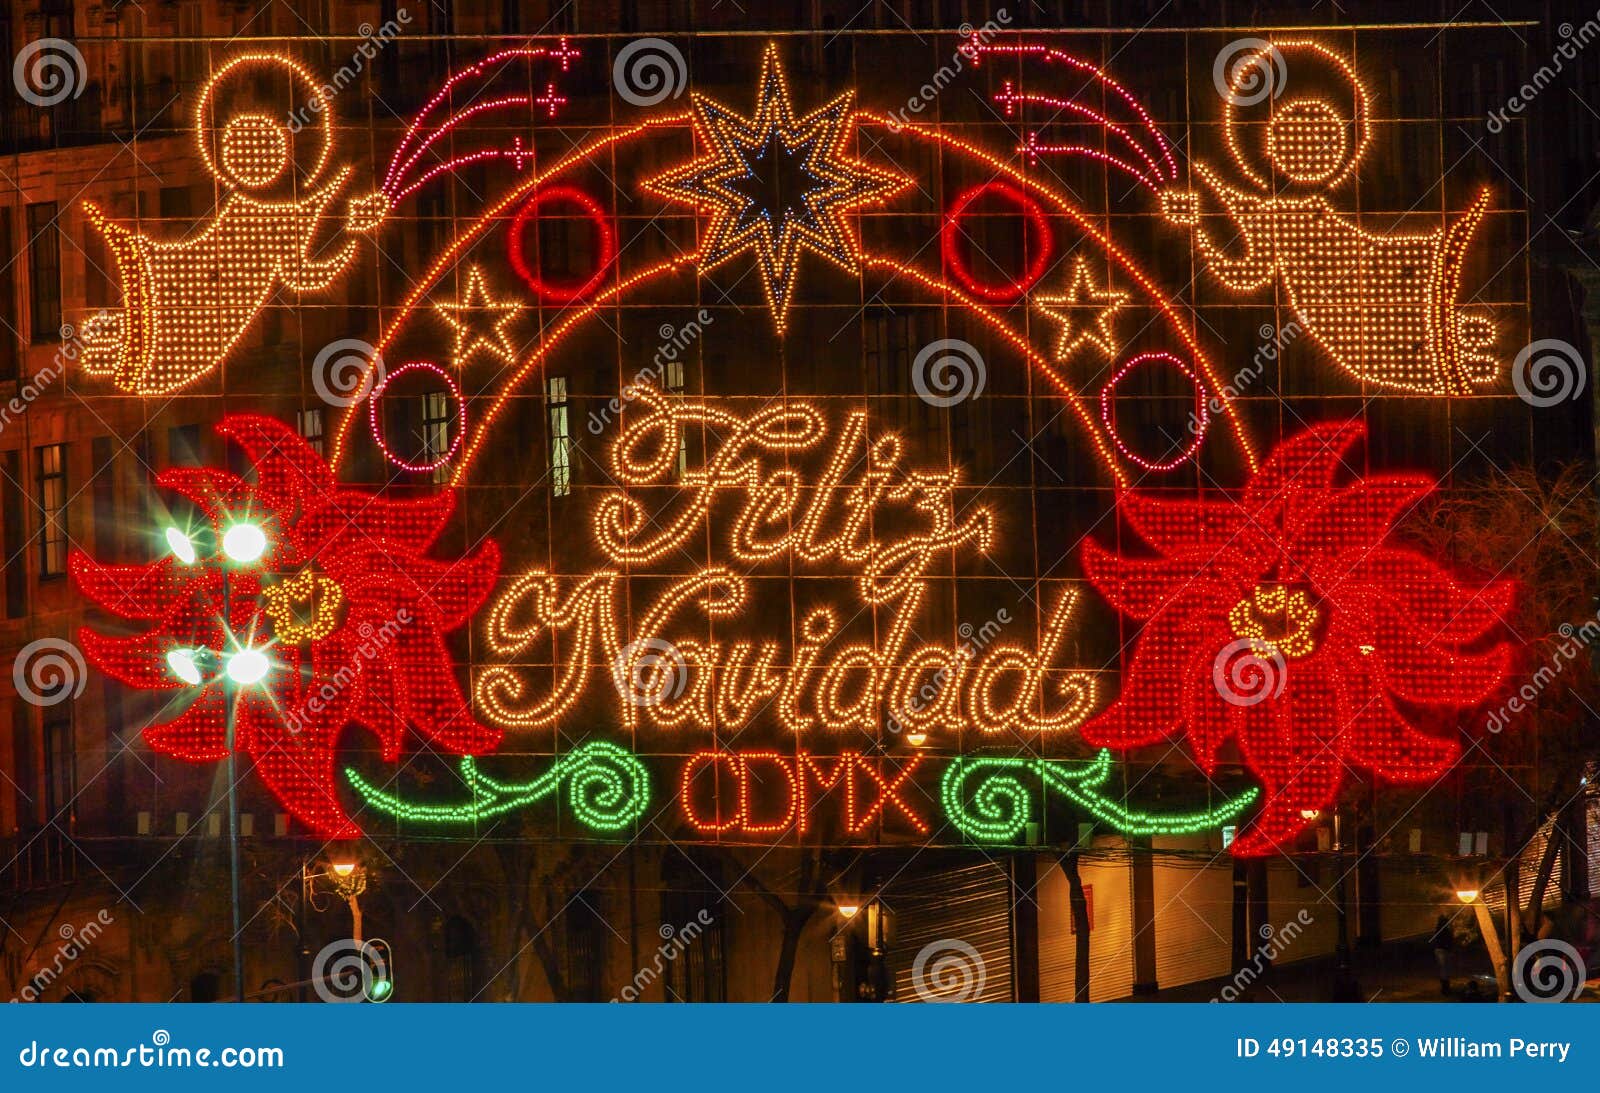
[(1084, 313), (479, 321), (776, 185)]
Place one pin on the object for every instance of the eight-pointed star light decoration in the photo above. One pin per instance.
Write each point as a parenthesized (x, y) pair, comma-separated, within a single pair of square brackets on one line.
[(479, 321), (1084, 313), (776, 185)]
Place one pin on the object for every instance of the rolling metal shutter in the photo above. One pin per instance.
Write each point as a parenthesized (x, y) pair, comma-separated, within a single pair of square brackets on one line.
[(1193, 911), (958, 922), (1110, 936)]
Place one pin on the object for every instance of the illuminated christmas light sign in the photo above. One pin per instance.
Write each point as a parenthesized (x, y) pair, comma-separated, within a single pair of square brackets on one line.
[(744, 622)]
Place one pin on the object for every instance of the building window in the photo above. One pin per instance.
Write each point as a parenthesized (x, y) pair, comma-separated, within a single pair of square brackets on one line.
[(586, 948), (674, 383), (24, 776), (461, 961), (691, 894), (14, 533), (103, 496), (10, 347), (183, 446), (60, 767), (53, 507), (560, 436), (44, 273), (436, 433), (308, 423)]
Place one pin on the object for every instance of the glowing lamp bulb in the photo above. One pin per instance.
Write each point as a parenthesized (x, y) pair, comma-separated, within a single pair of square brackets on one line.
[(244, 543), (183, 665), (1466, 895), (1309, 814), (247, 666), (342, 868), (181, 546), (916, 739), (848, 910)]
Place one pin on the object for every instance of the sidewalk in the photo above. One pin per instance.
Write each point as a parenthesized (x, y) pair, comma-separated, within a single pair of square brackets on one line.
[(1398, 972)]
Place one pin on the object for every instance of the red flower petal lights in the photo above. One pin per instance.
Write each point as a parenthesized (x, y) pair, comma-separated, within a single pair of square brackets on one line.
[(347, 612), (1349, 641)]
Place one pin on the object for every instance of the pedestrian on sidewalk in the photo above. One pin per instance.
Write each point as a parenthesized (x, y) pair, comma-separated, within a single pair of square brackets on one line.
[(1444, 939)]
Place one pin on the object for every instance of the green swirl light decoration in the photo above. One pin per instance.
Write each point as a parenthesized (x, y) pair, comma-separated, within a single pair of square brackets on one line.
[(608, 788), (998, 807)]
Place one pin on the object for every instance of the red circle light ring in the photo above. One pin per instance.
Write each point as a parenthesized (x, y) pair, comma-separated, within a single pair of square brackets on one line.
[(1038, 227), (556, 293), (377, 428), (1198, 422)]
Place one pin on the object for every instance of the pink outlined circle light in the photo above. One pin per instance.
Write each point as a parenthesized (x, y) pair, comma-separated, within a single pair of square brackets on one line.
[(1200, 422), (377, 428)]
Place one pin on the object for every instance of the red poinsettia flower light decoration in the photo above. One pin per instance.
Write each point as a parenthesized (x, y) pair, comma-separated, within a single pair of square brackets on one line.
[(309, 607), (1288, 622)]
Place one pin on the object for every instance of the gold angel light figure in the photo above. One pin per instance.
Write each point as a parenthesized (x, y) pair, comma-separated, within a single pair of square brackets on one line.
[(186, 302), (1385, 306)]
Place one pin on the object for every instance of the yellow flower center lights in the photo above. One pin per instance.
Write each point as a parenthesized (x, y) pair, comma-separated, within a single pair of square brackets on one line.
[(289, 602), (817, 684), (1291, 614)]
